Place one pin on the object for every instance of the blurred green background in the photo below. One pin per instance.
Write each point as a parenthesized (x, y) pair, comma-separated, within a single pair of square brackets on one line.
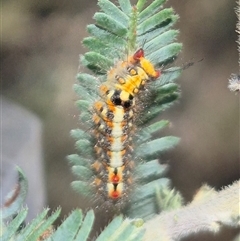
[(41, 43)]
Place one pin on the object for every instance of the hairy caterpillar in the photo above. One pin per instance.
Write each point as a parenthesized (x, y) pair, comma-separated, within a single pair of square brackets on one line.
[(114, 120), (119, 106)]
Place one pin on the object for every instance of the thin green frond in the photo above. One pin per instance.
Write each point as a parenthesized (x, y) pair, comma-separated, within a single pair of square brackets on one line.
[(154, 7), (154, 21), (146, 133), (12, 228), (86, 227), (121, 230), (110, 9), (79, 134), (127, 30), (144, 199), (162, 40), (166, 53), (69, 227), (140, 5), (104, 36), (16, 198), (84, 147), (26, 232), (83, 188), (82, 172), (153, 148), (83, 92), (150, 170), (73, 228), (98, 60), (119, 30), (75, 159), (125, 6), (110, 24), (108, 232), (42, 226)]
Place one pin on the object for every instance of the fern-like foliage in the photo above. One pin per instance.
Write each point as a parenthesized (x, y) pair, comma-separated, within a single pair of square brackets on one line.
[(12, 218), (76, 227), (119, 31), (15, 198)]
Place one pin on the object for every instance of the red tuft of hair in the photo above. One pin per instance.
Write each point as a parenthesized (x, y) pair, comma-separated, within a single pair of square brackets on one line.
[(158, 73), (139, 54), (115, 194), (115, 179)]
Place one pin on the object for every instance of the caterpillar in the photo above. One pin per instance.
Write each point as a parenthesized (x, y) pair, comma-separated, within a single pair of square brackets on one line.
[(118, 157), (114, 120)]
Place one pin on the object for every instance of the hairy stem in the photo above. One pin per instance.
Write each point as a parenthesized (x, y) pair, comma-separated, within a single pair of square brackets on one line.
[(208, 213)]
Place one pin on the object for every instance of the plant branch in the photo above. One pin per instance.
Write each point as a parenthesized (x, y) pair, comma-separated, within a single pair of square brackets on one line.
[(209, 211)]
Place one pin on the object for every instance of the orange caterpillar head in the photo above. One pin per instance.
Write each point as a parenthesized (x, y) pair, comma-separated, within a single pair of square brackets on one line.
[(145, 64)]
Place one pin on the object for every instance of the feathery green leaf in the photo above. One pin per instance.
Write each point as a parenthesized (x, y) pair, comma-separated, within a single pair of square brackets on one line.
[(43, 226), (150, 170), (75, 159), (20, 192), (119, 31), (27, 231), (121, 230), (83, 188), (152, 148), (110, 24), (82, 172), (86, 227), (112, 10), (69, 228), (14, 225), (125, 6), (154, 7)]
